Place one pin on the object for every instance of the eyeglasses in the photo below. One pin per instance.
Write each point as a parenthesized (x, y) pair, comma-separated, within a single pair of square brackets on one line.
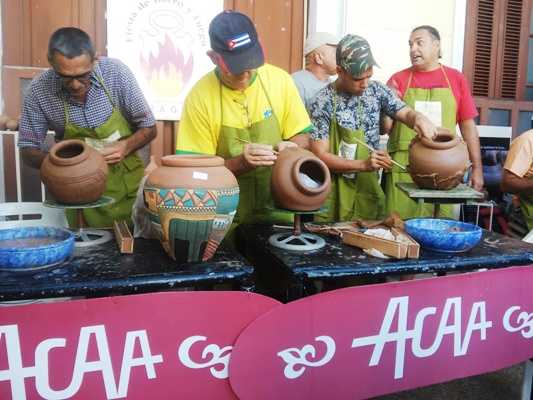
[(82, 78)]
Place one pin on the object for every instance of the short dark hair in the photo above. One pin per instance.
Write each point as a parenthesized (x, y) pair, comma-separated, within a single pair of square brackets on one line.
[(70, 42), (431, 30)]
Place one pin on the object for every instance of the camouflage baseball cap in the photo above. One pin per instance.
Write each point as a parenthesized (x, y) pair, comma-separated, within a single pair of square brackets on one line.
[(354, 55)]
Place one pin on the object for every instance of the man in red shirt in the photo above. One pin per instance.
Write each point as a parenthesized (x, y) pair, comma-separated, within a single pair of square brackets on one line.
[(443, 95)]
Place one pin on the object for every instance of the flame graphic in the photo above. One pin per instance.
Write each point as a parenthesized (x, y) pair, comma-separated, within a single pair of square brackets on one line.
[(168, 72)]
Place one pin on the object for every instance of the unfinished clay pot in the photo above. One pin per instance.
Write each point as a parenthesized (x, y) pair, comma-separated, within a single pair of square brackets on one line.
[(3, 122), (192, 200), (300, 180), (439, 163), (74, 173), (12, 124)]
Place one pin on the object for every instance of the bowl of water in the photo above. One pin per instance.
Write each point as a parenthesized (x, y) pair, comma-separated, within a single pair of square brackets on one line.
[(444, 235), (34, 247)]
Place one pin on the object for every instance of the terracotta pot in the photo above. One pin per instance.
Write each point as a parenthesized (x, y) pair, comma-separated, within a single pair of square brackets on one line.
[(300, 180), (3, 122), (74, 173), (440, 163), (192, 200), (12, 124)]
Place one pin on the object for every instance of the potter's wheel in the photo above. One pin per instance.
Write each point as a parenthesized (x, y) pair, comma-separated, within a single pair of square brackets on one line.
[(297, 240), (84, 236)]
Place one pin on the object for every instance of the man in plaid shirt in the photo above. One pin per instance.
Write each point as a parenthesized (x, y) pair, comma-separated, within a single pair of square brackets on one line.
[(96, 100)]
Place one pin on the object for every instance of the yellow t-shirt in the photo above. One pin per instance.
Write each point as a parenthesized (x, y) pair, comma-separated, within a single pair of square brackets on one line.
[(200, 122), (520, 156)]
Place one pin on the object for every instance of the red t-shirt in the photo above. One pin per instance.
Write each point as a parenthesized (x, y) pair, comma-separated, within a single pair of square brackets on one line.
[(466, 108)]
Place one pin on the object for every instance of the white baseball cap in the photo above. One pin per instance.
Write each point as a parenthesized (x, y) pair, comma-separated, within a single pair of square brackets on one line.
[(318, 39)]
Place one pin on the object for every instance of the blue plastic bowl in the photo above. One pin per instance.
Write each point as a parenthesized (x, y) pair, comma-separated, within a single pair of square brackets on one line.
[(34, 247), (443, 235)]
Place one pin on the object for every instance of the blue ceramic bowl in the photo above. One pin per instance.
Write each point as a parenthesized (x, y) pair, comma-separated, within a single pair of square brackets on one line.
[(443, 235), (34, 247)]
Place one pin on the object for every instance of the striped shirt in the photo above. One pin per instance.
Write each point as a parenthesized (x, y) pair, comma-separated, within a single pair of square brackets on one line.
[(44, 110)]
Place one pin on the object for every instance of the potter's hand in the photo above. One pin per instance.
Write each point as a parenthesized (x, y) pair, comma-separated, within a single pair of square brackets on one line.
[(285, 144), (152, 165), (378, 159), (258, 155), (116, 152), (424, 127), (476, 179)]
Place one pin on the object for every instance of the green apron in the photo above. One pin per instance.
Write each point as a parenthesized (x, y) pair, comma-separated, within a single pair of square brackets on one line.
[(526, 204), (123, 178), (353, 196), (255, 200), (398, 148)]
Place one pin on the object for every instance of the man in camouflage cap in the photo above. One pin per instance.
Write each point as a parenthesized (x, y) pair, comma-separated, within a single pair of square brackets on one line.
[(354, 55), (345, 116)]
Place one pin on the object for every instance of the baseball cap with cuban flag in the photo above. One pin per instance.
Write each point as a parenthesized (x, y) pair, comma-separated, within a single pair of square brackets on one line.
[(234, 37)]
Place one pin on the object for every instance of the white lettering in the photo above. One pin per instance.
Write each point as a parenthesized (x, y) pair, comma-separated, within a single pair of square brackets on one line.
[(400, 306), (296, 359), (524, 320), (220, 356), (16, 373), (128, 361)]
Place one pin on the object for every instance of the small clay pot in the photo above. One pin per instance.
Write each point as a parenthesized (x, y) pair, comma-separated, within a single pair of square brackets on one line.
[(439, 163), (74, 173), (3, 122), (12, 125), (300, 180)]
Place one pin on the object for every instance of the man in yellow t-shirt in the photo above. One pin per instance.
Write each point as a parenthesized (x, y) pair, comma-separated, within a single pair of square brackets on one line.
[(244, 111), (517, 174)]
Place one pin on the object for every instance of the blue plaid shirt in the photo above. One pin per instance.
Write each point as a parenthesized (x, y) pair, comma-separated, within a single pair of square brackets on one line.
[(44, 109)]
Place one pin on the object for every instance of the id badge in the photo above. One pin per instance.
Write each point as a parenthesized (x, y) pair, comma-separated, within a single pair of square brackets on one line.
[(347, 151), (99, 144), (430, 109)]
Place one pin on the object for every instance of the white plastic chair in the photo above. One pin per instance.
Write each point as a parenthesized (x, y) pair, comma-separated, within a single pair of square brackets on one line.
[(44, 216)]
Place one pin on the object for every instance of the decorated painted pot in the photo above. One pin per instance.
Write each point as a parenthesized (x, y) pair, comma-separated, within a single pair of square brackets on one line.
[(300, 180), (74, 173), (192, 200), (439, 163)]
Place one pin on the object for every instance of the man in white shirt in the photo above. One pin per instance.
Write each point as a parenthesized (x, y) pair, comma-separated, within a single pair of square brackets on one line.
[(320, 65)]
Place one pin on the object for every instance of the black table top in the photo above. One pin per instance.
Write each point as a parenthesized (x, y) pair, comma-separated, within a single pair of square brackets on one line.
[(102, 270), (337, 260)]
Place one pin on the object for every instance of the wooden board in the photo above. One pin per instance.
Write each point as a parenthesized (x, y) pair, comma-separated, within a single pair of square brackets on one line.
[(413, 248), (461, 192), (410, 249), (123, 237)]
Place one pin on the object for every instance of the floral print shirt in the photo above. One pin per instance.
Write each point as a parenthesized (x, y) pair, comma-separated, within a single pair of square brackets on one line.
[(377, 98)]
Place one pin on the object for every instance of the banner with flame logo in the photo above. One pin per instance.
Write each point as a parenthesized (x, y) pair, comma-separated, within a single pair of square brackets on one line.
[(164, 42)]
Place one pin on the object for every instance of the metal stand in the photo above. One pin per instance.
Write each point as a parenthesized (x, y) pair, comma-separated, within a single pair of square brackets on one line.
[(86, 237), (297, 240)]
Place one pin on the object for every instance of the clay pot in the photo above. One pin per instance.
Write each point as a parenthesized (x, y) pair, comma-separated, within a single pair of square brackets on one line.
[(74, 173), (3, 122), (440, 163), (12, 125), (300, 180), (192, 200)]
